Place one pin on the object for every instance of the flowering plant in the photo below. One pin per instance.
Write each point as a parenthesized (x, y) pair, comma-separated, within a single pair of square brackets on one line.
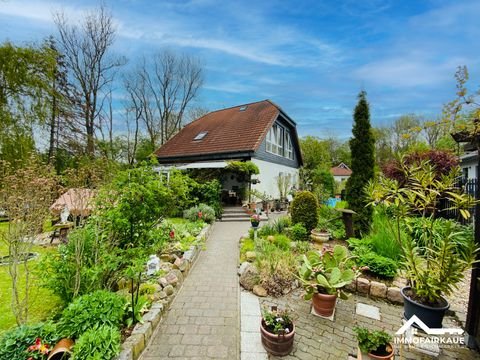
[(38, 350), (277, 321), (255, 218), (200, 215)]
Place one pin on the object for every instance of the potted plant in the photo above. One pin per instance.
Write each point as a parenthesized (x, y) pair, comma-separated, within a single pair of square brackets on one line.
[(320, 233), (435, 253), (277, 331), (255, 220), (324, 275), (375, 344)]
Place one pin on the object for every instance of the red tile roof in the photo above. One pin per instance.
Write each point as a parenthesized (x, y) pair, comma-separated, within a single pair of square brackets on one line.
[(341, 170), (228, 131)]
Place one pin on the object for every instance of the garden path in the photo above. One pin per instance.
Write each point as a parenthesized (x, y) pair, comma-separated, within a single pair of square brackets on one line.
[(203, 321)]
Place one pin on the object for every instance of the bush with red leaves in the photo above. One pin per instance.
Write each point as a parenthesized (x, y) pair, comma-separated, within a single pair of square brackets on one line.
[(443, 161)]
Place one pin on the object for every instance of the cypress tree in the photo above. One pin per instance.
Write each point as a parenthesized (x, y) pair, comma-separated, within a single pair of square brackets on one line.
[(362, 147)]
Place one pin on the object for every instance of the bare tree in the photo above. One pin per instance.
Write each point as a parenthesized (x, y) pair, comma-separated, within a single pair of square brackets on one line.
[(86, 47)]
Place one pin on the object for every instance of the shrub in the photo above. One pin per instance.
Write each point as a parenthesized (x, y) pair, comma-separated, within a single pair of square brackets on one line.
[(265, 230), (442, 161), (15, 342), (88, 311), (304, 210), (98, 343), (209, 193), (332, 221), (200, 212), (298, 232), (282, 242), (378, 265), (62, 272)]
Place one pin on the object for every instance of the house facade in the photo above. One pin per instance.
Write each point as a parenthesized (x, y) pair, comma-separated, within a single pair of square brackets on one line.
[(260, 132), (341, 172), (469, 165)]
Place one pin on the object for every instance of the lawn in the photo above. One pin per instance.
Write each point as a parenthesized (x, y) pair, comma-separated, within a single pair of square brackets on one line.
[(42, 302)]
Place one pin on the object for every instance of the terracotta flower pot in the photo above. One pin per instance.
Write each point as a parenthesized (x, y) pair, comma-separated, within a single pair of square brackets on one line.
[(324, 304), (62, 350), (390, 356), (278, 345)]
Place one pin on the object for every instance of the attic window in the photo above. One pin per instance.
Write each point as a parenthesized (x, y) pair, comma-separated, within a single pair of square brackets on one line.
[(243, 108), (200, 136)]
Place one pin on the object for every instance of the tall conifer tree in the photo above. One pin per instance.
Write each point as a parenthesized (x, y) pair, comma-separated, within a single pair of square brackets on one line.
[(362, 147)]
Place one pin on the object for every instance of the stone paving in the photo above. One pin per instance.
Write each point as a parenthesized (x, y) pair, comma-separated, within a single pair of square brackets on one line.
[(203, 321), (318, 338)]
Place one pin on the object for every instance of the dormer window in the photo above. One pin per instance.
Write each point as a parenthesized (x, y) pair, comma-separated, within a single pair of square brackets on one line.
[(200, 136)]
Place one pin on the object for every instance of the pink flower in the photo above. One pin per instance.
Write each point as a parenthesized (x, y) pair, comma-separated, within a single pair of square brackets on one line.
[(172, 234), (200, 214)]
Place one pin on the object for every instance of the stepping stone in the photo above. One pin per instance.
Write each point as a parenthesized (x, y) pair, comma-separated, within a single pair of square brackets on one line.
[(369, 311)]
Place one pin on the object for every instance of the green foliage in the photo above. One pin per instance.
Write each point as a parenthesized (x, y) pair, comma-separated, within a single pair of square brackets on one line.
[(89, 311), (98, 343), (378, 265), (331, 220), (15, 342), (277, 321), (362, 147), (135, 312), (434, 257), (322, 176), (299, 233), (246, 168), (209, 193), (382, 239), (73, 270), (282, 242), (315, 153), (304, 210), (371, 341), (133, 205), (201, 212), (328, 272)]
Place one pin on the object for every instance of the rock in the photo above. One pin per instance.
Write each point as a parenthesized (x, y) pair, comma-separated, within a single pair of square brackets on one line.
[(163, 281), (160, 295), (180, 264), (378, 289), (352, 287), (169, 290), (178, 274), (250, 255), (249, 278), (394, 295), (166, 266), (171, 279), (271, 238), (189, 254), (363, 286), (167, 258), (243, 266), (259, 291)]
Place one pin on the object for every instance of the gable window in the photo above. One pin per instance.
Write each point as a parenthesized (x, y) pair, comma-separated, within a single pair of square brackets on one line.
[(288, 146), (279, 142)]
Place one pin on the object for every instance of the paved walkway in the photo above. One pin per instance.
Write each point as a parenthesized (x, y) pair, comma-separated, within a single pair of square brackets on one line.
[(203, 321)]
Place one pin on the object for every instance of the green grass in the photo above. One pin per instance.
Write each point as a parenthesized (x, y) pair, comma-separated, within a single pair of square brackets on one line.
[(42, 301)]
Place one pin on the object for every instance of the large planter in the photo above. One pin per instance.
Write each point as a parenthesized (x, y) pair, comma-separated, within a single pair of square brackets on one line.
[(363, 356), (324, 304), (431, 316), (278, 345), (320, 236)]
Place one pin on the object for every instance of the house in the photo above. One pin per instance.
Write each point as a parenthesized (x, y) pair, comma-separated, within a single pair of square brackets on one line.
[(260, 132), (341, 172), (469, 165)]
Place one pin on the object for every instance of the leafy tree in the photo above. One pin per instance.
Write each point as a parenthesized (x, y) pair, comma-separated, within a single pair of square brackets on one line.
[(362, 148), (315, 152)]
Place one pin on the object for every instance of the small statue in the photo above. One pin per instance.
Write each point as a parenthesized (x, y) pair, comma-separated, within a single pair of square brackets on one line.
[(153, 265), (64, 215)]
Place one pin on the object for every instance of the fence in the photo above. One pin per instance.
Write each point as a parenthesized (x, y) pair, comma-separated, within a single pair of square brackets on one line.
[(468, 187)]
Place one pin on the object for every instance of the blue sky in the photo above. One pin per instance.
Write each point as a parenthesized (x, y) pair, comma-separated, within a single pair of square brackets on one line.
[(310, 57)]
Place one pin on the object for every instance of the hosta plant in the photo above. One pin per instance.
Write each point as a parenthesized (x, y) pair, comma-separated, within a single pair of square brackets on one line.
[(327, 272)]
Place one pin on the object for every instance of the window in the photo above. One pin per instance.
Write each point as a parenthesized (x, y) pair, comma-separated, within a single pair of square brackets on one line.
[(200, 136), (279, 142), (288, 145)]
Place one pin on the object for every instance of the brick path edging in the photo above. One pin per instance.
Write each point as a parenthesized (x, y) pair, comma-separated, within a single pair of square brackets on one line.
[(134, 345)]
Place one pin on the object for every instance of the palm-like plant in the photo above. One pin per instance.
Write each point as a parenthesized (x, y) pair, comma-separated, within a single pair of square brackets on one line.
[(434, 260)]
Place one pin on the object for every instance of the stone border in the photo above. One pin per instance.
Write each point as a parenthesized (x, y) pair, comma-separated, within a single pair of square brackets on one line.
[(134, 345), (376, 289)]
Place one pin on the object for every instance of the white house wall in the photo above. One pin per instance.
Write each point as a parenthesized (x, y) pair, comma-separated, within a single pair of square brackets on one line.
[(268, 177), (471, 166)]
